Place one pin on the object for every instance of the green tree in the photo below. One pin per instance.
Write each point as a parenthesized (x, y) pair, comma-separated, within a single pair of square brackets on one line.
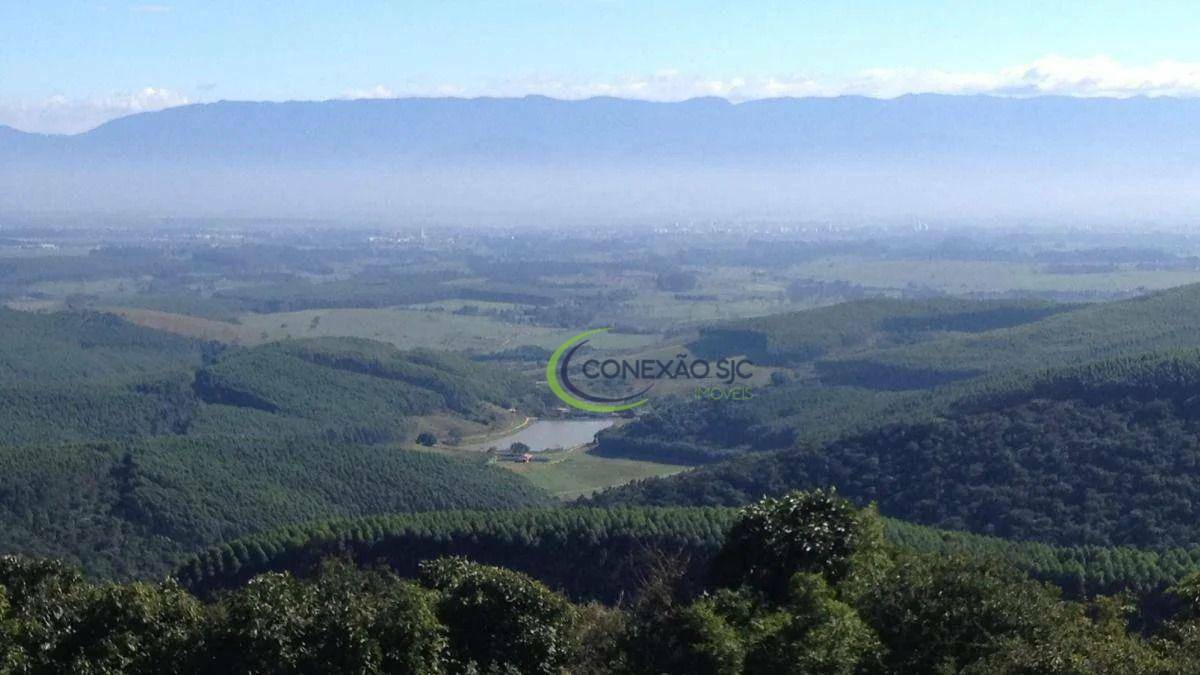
[(813, 531), (695, 639), (730, 631), (344, 621), (703, 642), (500, 619), (598, 638), (263, 627), (46, 600), (57, 622), (1186, 595), (814, 633), (939, 614), (136, 628), (412, 640), (10, 657), (1080, 643)]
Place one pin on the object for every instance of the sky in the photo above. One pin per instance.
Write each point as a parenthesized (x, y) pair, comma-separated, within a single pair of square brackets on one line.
[(66, 67)]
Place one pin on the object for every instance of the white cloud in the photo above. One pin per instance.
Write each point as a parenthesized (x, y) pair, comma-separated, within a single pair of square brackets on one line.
[(378, 91), (1058, 75), (1050, 75), (61, 114)]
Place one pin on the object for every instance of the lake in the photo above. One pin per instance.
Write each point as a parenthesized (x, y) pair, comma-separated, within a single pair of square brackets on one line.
[(544, 435)]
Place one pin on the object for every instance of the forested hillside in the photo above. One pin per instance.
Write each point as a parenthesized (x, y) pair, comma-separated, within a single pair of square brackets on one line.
[(122, 448), (130, 510), (794, 338), (72, 377), (78, 347), (839, 386), (351, 389), (1100, 454), (77, 376), (1157, 321)]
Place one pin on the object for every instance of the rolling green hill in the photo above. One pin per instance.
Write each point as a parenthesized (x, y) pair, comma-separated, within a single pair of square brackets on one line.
[(122, 448), (841, 386), (1105, 453), (1158, 321), (812, 407), (85, 347), (129, 510), (72, 377), (350, 388), (79, 376), (912, 344), (796, 337)]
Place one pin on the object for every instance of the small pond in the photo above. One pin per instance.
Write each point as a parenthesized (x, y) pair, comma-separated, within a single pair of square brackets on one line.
[(542, 435)]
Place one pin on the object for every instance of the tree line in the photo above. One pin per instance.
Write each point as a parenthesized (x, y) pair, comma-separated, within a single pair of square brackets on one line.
[(600, 554), (806, 583)]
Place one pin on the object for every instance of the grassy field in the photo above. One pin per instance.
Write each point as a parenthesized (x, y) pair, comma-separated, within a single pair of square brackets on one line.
[(961, 276), (455, 431), (576, 473), (453, 305), (405, 328), (721, 293), (182, 324), (661, 308), (106, 287)]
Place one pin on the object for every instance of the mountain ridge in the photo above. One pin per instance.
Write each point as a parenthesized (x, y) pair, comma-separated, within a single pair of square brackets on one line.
[(782, 125), (609, 156), (694, 101)]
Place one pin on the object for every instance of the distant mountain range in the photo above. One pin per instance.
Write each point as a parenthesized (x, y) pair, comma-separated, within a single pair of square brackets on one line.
[(915, 154)]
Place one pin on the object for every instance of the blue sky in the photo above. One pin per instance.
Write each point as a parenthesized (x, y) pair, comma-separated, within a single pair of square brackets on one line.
[(65, 66)]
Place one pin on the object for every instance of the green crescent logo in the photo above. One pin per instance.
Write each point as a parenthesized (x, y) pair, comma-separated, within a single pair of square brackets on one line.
[(556, 377)]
